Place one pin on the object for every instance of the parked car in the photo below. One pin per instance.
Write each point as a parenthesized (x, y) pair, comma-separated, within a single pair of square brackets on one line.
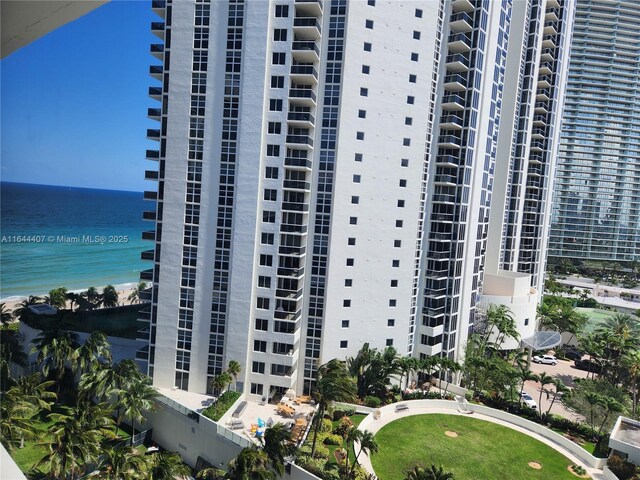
[(587, 365), (528, 400), (546, 359), (572, 353)]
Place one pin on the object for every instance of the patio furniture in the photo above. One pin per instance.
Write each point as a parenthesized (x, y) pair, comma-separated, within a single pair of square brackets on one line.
[(401, 407)]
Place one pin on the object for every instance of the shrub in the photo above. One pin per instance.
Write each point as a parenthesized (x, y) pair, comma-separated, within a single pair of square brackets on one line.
[(332, 439), (578, 470), (372, 402), (343, 427), (326, 426), (621, 468), (221, 405), (321, 451), (313, 465), (340, 412)]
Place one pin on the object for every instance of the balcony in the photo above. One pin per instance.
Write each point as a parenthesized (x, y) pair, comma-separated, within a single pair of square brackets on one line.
[(547, 54), (294, 229), (154, 113), (449, 141), (304, 119), (550, 28), (292, 251), (147, 255), (537, 146), (307, 28), (157, 50), (548, 41), (304, 74), (158, 7), (450, 122), (144, 315), (149, 215), (296, 185), (295, 207), (149, 235), (544, 81), (454, 82), (538, 133), (145, 296), (309, 7), (447, 160), (551, 15), (453, 102), (299, 141), (143, 334), (553, 4), (153, 134), (535, 171), (156, 72), (149, 195), (541, 108), (539, 120), (433, 331), (543, 94), (459, 43), (305, 51), (536, 158), (431, 350), (442, 179), (297, 163), (155, 93), (294, 273), (457, 63), (157, 28), (147, 275), (546, 68), (152, 155), (143, 353), (151, 175), (461, 22), (302, 96), (462, 6)]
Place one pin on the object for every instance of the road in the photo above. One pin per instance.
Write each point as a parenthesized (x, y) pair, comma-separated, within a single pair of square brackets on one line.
[(565, 371)]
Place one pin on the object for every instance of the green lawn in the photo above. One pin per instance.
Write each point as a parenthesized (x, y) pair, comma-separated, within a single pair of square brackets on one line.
[(482, 450)]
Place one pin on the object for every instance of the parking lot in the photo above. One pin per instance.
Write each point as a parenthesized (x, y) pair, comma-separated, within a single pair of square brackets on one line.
[(565, 371)]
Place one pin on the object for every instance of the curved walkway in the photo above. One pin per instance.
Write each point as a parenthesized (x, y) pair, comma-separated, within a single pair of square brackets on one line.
[(424, 407)]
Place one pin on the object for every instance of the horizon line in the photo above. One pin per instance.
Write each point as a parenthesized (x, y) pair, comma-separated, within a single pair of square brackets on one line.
[(71, 186)]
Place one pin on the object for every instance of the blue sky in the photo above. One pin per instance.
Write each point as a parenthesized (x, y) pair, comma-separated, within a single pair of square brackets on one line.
[(74, 102)]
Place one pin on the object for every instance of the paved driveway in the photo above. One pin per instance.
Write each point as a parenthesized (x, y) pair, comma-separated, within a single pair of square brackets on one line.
[(563, 370)]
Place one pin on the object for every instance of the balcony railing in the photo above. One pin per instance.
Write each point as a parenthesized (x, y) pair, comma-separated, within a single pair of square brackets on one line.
[(300, 117), (297, 162)]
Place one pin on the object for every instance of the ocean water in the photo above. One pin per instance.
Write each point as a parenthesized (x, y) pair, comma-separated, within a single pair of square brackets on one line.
[(69, 237)]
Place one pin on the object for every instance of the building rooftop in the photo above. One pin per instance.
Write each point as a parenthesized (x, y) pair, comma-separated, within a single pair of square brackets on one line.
[(628, 431)]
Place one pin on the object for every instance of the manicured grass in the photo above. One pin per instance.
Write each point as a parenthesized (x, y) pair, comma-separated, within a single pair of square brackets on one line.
[(482, 450), (596, 317), (221, 405)]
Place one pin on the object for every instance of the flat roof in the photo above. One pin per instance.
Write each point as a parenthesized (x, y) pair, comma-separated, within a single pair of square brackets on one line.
[(627, 431)]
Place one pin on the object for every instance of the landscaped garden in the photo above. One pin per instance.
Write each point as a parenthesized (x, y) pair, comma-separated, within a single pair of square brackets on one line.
[(470, 448)]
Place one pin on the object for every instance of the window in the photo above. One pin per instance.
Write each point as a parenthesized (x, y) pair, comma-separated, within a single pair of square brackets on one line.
[(256, 388), (411, 99), (389, 342), (262, 324), (395, 263), (397, 243), (280, 35), (406, 142), (275, 105), (353, 220), (356, 179), (414, 57), (343, 343), (401, 203), (279, 58), (273, 150), (355, 199), (257, 367), (358, 157), (270, 194), (408, 121), (277, 81), (404, 162), (264, 282), (266, 260), (269, 216), (398, 223), (413, 78), (349, 262), (262, 303), (271, 172), (345, 323), (259, 346), (526, 322), (359, 135), (282, 10), (371, 3), (348, 282), (392, 302), (416, 35), (364, 92), (402, 183), (368, 24), (367, 47), (362, 114), (391, 322), (274, 128), (351, 241), (346, 303), (418, 13), (394, 283), (267, 238), (366, 69)]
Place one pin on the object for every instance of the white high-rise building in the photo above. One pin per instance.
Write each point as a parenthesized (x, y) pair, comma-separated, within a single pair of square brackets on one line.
[(329, 175)]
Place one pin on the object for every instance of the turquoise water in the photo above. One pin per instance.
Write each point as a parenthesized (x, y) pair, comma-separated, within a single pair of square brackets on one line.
[(72, 237)]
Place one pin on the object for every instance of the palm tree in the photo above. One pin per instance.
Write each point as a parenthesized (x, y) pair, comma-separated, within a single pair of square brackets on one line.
[(165, 466), (632, 364), (135, 293), (120, 463), (367, 444), (610, 405), (211, 473), (73, 298), (560, 388), (593, 399), (55, 349), (451, 368), (58, 297), (16, 413), (250, 464), (278, 446), (433, 473), (333, 384), (23, 307), (406, 365), (10, 352), (109, 297), (137, 398), (544, 380), (6, 315), (93, 297), (234, 369), (90, 353)]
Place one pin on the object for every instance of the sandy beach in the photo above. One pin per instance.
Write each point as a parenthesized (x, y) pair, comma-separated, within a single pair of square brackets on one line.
[(124, 290)]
